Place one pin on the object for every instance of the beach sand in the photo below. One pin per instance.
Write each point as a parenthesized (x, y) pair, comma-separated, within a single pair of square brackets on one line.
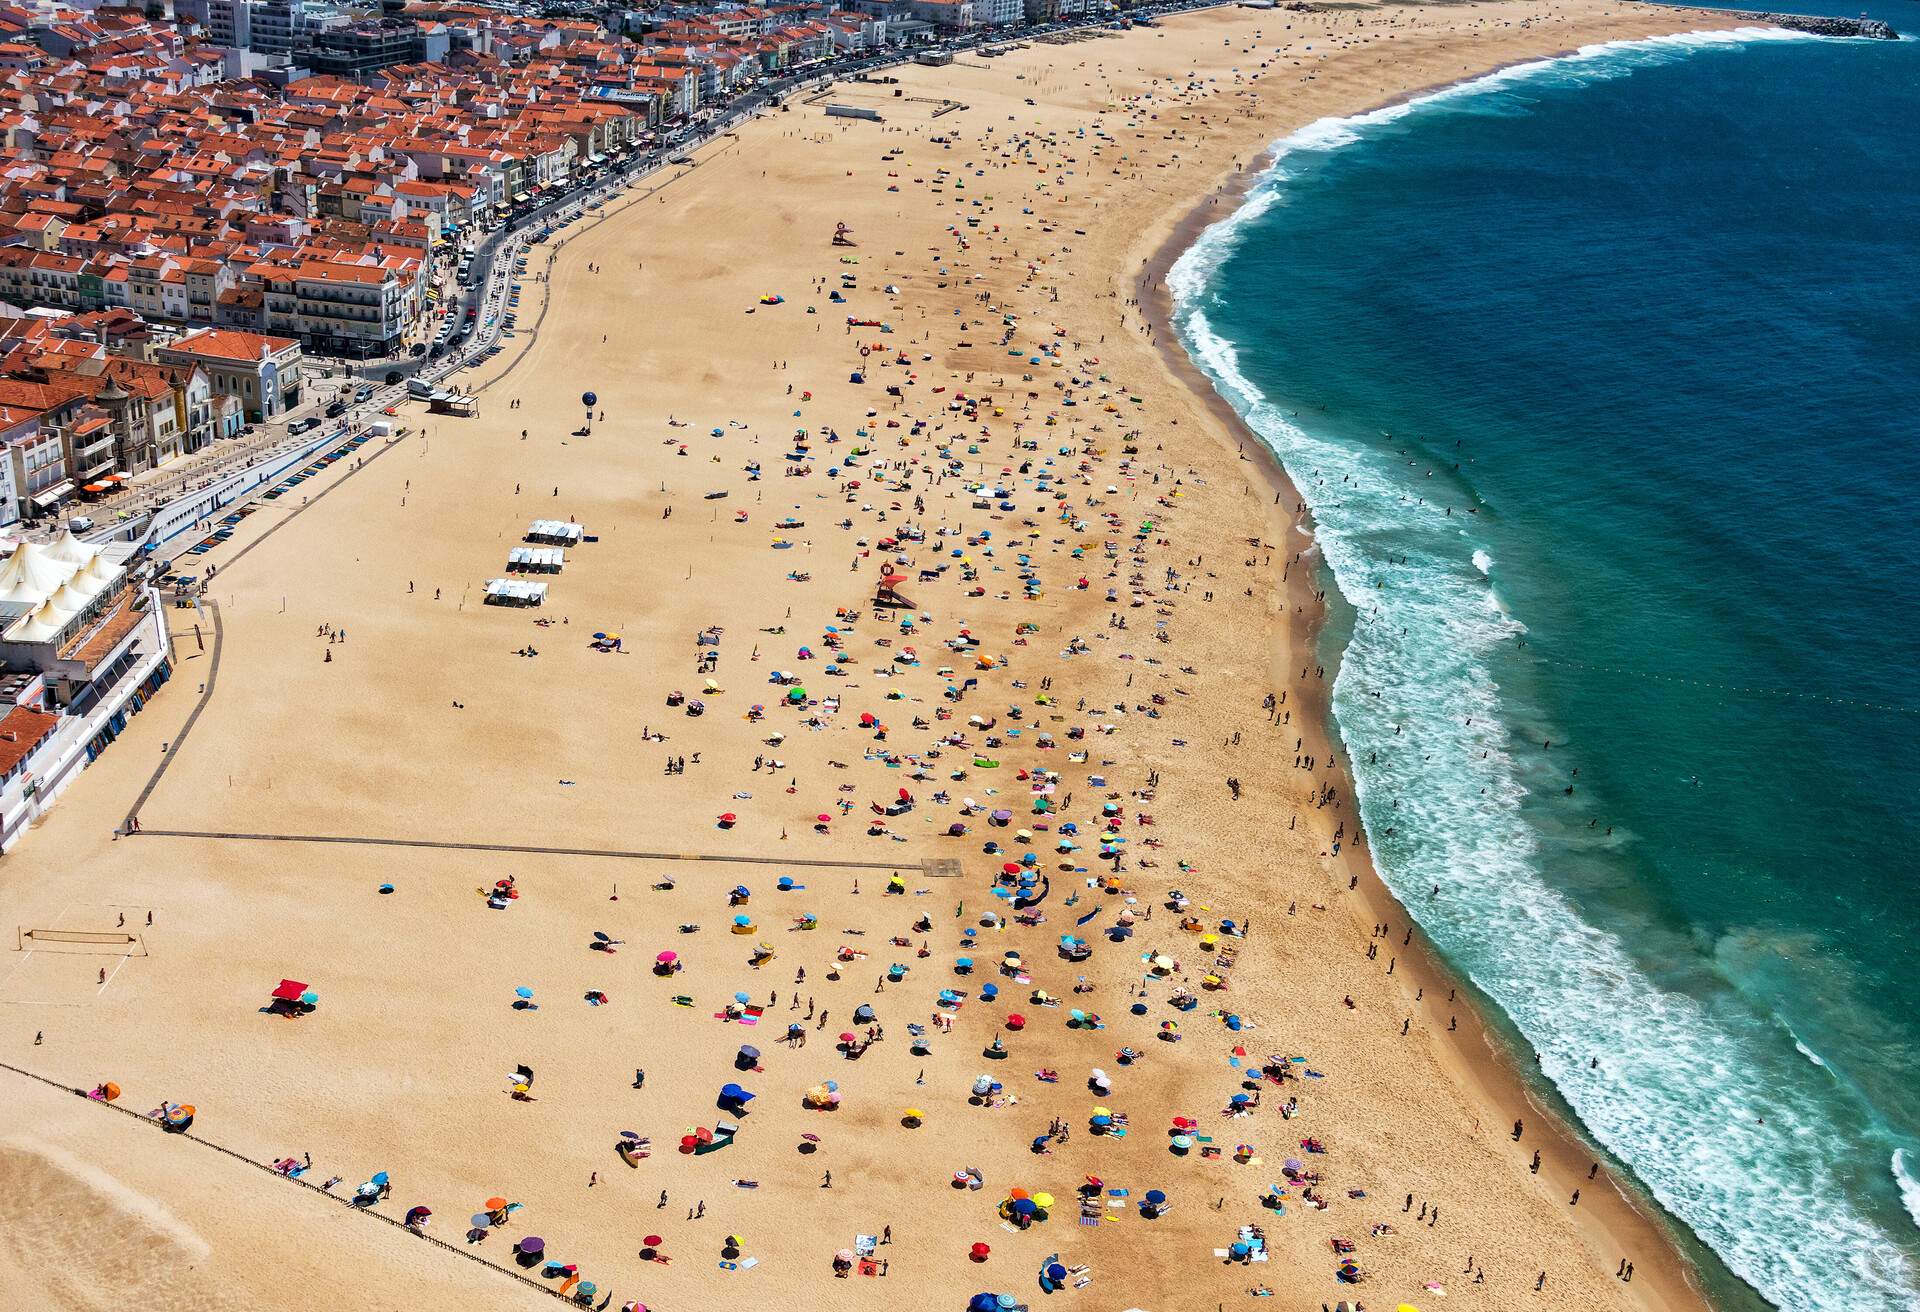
[(441, 762)]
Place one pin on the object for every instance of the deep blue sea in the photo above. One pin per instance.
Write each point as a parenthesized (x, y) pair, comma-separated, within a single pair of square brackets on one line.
[(1602, 380)]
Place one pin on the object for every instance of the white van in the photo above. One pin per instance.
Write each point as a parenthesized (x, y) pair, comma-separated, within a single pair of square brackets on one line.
[(80, 524)]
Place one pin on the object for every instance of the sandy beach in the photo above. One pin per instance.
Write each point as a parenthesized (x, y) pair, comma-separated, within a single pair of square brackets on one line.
[(1103, 618)]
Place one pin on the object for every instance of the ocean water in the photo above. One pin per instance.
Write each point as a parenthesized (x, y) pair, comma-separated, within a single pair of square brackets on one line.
[(1600, 377)]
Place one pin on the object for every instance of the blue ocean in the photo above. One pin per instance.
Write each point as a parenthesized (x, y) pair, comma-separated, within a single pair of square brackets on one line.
[(1600, 378)]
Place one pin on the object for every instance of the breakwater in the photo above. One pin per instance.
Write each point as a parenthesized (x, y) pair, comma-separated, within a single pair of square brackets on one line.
[(1819, 24)]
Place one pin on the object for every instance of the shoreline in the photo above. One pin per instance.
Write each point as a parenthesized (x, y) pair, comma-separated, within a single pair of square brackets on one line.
[(1488, 1063)]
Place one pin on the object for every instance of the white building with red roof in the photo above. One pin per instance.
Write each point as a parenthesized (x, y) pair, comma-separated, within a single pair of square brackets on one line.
[(262, 371)]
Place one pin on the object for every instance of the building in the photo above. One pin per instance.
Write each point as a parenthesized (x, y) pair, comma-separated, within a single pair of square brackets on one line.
[(356, 311), (83, 645), (357, 49), (34, 480), (263, 373), (270, 27)]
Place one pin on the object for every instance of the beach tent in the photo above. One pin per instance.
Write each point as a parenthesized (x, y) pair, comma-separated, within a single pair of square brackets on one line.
[(544, 560), (515, 592), (555, 532)]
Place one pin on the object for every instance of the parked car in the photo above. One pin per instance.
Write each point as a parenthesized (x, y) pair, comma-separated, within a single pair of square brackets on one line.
[(300, 426), (337, 409)]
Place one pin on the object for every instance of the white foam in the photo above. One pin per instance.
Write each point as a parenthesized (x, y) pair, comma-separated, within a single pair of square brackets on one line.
[(1909, 1186), (1688, 1091)]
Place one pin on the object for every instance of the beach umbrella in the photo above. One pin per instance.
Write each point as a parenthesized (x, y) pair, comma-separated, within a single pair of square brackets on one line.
[(978, 1252), (495, 1204), (1043, 1201), (1056, 1272), (844, 1255), (532, 1244), (983, 1303), (1292, 1164), (1006, 1302), (522, 991), (743, 920), (480, 1220), (589, 400), (749, 1053), (741, 998), (1023, 1207), (848, 1038), (1155, 1197), (667, 958), (289, 990)]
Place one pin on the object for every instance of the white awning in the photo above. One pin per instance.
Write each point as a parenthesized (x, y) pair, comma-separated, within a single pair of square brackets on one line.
[(53, 494)]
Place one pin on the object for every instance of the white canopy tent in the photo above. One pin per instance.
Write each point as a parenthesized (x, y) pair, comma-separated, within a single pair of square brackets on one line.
[(515, 592), (539, 560), (559, 532)]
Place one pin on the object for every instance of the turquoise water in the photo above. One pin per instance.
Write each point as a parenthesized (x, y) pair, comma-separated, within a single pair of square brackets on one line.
[(1600, 379)]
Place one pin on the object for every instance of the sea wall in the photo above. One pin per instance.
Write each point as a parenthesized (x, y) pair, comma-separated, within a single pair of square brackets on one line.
[(1820, 25)]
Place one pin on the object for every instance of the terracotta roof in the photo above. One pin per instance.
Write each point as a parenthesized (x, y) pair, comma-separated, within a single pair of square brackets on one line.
[(23, 729), (230, 344)]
